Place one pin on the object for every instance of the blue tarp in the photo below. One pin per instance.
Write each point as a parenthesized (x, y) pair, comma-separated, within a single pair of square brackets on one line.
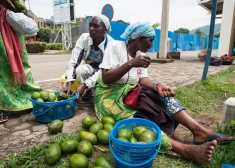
[(215, 42), (183, 42)]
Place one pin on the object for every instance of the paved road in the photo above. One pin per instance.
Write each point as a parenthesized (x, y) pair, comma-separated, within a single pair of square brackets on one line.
[(47, 67)]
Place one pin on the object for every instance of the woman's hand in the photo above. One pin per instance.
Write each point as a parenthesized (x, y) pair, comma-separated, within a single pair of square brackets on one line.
[(9, 5), (164, 90), (80, 89), (141, 61), (67, 89)]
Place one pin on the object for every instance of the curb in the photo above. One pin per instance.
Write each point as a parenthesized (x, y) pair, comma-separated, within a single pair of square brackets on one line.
[(161, 61), (56, 53)]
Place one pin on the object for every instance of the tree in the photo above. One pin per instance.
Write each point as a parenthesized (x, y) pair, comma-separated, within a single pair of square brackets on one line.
[(199, 32), (155, 25), (182, 31), (217, 35), (77, 23), (45, 34)]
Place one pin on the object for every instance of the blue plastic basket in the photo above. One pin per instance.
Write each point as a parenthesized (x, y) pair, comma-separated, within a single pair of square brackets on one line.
[(132, 153), (46, 112), (122, 164)]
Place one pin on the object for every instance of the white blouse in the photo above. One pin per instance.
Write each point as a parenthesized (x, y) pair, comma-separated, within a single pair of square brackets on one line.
[(115, 56)]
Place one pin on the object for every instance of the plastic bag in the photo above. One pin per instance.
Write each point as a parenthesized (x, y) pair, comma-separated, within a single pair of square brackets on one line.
[(21, 23)]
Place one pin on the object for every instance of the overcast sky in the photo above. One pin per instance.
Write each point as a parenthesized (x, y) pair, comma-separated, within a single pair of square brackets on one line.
[(183, 13)]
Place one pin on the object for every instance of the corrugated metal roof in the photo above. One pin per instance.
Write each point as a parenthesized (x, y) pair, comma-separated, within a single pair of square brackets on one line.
[(207, 4)]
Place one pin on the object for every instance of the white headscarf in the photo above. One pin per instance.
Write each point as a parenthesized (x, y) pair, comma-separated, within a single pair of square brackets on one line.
[(106, 21)]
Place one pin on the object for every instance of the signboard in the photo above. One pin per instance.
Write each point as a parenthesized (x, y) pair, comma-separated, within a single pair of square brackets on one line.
[(108, 11), (63, 11)]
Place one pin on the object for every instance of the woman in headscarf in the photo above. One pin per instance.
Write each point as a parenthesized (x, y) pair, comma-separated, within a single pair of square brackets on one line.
[(88, 54), (16, 80), (123, 68)]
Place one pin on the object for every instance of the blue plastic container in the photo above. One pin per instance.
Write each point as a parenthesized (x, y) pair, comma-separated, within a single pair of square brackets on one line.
[(144, 164), (134, 154), (45, 112)]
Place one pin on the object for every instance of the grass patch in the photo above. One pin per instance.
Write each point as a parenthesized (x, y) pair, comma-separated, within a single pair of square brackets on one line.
[(202, 96)]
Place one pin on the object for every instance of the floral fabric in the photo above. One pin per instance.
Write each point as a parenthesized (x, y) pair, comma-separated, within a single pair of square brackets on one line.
[(15, 97)]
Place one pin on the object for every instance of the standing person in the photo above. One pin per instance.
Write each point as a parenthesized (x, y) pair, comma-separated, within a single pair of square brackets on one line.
[(123, 68), (87, 55), (16, 80)]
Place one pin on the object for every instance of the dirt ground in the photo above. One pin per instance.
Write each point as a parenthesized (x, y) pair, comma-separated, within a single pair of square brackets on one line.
[(10, 144)]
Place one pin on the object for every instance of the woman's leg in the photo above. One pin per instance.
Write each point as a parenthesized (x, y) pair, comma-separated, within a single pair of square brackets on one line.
[(200, 154), (179, 114), (200, 133)]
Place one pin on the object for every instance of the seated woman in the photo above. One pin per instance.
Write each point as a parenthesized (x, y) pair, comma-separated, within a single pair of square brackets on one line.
[(88, 54), (123, 68)]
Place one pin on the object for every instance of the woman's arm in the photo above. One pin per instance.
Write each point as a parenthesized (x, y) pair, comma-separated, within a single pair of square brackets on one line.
[(75, 57), (9, 5), (162, 89), (146, 82), (113, 75)]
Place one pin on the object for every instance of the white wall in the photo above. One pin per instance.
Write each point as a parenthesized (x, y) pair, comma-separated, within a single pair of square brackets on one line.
[(226, 32)]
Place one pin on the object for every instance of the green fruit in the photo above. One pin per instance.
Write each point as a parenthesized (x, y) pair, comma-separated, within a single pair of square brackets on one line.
[(78, 161), (123, 139), (108, 119), (124, 133), (35, 95), (88, 121), (96, 127), (55, 126), (52, 94), (69, 146), (138, 130), (44, 95), (85, 148), (51, 98), (103, 162), (133, 139), (147, 136), (103, 137), (165, 143), (53, 154), (108, 127), (40, 100), (88, 136), (62, 96)]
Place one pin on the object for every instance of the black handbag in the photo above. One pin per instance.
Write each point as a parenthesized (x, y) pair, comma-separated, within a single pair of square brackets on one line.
[(215, 61)]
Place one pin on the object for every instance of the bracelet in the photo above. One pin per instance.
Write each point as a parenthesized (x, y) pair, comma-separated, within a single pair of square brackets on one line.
[(155, 85)]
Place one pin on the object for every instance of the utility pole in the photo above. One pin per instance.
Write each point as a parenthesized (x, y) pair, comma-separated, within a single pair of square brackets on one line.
[(211, 36), (164, 28)]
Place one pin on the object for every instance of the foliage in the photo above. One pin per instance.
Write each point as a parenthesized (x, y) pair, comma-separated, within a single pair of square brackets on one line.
[(45, 34), (200, 33), (56, 29), (217, 35), (54, 46), (200, 96), (182, 31), (155, 25), (77, 23), (35, 47)]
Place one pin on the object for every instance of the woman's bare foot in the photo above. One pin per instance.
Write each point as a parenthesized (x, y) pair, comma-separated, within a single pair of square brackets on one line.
[(200, 154), (209, 135)]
